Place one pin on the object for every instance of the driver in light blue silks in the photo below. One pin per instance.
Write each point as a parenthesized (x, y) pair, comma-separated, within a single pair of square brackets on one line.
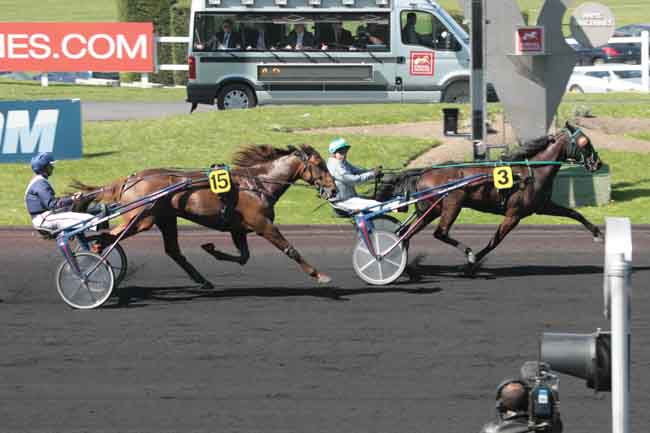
[(45, 209), (346, 176)]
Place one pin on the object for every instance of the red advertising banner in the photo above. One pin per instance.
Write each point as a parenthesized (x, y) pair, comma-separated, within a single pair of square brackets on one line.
[(76, 47), (422, 63)]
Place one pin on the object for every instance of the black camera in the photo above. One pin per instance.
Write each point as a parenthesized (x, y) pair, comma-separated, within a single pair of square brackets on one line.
[(528, 404), (543, 397)]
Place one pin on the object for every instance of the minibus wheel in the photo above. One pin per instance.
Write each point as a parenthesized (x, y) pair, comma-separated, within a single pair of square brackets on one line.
[(233, 96), (457, 93)]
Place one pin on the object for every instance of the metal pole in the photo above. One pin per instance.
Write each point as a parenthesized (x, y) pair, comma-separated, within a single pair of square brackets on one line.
[(645, 60), (477, 81), (618, 274)]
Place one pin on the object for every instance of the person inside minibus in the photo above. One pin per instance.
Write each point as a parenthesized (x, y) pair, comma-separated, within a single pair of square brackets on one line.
[(299, 38), (377, 33), (258, 37), (366, 36), (334, 37), (409, 35), (226, 39)]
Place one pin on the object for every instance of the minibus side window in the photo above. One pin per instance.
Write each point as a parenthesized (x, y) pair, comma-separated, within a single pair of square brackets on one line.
[(320, 31), (217, 32), (424, 29)]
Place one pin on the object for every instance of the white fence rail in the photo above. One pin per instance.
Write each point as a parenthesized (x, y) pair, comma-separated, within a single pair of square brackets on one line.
[(144, 78), (169, 40)]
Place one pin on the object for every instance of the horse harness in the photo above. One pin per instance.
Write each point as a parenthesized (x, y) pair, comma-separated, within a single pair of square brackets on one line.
[(255, 184)]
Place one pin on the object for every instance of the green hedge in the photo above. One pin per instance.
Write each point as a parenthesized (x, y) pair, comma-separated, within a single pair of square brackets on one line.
[(170, 18), (179, 26)]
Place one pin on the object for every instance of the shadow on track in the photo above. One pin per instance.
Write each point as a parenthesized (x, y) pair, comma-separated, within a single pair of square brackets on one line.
[(187, 293), (420, 271), (502, 272)]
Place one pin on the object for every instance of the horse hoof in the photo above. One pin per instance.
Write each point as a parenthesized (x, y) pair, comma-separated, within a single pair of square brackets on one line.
[(323, 279), (598, 239), (206, 286), (208, 247), (413, 275), (469, 270)]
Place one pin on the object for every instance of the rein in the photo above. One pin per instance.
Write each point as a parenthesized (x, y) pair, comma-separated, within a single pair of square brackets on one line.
[(496, 164)]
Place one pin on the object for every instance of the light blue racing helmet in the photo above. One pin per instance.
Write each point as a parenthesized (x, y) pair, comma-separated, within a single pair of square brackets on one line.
[(337, 145)]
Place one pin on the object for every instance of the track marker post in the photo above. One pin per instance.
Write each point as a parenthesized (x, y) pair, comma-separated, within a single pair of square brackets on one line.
[(618, 260)]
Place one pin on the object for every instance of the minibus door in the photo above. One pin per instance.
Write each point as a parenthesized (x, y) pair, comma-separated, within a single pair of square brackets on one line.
[(429, 52)]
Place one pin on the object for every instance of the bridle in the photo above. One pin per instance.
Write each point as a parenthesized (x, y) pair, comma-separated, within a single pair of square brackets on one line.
[(308, 167), (585, 155)]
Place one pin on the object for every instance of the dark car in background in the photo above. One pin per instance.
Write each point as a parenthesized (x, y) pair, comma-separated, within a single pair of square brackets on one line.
[(610, 53), (631, 30)]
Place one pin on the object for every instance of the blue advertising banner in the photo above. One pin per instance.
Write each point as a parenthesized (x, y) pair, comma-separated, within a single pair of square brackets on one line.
[(30, 127)]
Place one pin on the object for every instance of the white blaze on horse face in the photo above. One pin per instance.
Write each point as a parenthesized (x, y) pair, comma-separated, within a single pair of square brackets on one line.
[(582, 141)]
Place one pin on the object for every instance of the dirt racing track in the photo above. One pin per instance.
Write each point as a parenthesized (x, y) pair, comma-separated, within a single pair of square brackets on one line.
[(270, 351)]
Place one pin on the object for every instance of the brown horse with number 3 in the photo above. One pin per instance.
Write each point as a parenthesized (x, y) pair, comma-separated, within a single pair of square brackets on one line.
[(531, 191), (260, 176)]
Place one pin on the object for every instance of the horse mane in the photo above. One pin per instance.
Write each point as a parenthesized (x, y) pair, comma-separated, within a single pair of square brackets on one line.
[(531, 148), (255, 154)]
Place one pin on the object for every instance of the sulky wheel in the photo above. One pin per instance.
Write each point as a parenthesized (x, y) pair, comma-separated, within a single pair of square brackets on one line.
[(382, 270), (391, 224), (385, 223), (117, 259), (92, 289)]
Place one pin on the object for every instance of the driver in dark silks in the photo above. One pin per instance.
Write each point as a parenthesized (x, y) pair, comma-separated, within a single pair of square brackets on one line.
[(45, 209), (512, 410)]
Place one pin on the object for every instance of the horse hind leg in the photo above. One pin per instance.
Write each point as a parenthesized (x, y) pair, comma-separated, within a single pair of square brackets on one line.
[(169, 229), (241, 243), (449, 213), (554, 209)]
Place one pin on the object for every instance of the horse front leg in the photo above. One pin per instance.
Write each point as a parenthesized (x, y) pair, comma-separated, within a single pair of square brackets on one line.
[(271, 233), (554, 209), (241, 243), (506, 226)]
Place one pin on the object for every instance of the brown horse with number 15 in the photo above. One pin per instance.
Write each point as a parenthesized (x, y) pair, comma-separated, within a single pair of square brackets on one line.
[(530, 193), (260, 176)]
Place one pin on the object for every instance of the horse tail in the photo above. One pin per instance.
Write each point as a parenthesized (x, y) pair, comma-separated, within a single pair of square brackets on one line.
[(108, 193)]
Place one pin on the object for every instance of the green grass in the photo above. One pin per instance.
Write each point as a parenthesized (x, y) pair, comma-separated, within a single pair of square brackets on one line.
[(114, 149), (58, 10), (641, 135), (617, 105), (24, 90)]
